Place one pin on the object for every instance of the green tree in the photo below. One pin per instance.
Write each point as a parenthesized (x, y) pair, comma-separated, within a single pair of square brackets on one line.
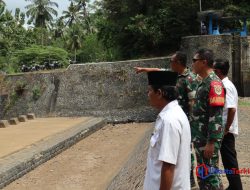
[(74, 41), (41, 12), (72, 15), (58, 28), (2, 2), (39, 54), (143, 28), (2, 19), (81, 5), (140, 28), (94, 51)]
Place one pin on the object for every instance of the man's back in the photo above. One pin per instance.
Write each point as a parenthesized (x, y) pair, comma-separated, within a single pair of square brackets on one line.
[(231, 102), (186, 87)]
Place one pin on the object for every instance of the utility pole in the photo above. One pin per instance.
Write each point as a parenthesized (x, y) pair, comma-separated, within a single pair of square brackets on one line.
[(200, 4), (201, 20)]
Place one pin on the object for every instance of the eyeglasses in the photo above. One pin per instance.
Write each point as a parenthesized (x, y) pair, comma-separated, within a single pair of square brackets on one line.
[(194, 60)]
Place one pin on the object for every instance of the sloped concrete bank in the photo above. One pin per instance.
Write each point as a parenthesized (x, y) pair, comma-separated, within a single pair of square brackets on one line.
[(15, 165), (131, 175)]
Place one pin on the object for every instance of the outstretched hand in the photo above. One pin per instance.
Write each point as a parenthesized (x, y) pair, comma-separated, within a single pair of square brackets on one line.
[(138, 69)]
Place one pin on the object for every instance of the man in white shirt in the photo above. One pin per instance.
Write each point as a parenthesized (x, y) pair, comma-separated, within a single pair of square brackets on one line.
[(168, 162), (230, 122)]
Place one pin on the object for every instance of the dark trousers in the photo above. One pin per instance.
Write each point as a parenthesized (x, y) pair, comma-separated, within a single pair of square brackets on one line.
[(229, 160)]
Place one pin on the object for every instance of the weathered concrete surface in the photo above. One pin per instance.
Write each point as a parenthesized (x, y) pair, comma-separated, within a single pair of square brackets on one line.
[(220, 44), (246, 81), (132, 174), (4, 123), (88, 165), (31, 116), (13, 121), (110, 90), (22, 118), (17, 161)]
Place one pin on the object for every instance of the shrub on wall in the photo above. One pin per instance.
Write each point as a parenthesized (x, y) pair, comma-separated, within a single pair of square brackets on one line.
[(36, 93), (20, 88)]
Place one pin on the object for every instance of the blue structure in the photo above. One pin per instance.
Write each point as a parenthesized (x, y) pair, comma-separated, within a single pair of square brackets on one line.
[(215, 21)]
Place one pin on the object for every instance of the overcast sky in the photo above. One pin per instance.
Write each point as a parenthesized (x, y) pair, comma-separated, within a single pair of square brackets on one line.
[(13, 4)]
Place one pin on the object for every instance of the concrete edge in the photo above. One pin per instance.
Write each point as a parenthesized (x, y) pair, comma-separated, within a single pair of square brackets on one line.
[(16, 165), (133, 156)]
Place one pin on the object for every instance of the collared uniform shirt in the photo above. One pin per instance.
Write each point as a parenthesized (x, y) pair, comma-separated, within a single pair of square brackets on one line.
[(169, 143), (186, 86), (206, 118), (231, 102)]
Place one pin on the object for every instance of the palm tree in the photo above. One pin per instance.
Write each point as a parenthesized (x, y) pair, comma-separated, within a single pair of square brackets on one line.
[(58, 28), (72, 15), (81, 5), (2, 2), (41, 12), (2, 21), (74, 39)]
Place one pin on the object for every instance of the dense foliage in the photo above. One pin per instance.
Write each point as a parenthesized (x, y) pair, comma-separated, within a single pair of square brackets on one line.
[(105, 30), (148, 28)]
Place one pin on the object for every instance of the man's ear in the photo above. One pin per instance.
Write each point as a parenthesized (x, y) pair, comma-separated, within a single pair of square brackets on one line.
[(159, 93)]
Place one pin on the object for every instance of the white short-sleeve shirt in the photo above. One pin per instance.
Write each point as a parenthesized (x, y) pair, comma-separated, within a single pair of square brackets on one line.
[(169, 143), (231, 102)]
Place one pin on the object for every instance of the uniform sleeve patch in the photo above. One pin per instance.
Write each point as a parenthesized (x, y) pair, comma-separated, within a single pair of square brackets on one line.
[(216, 94)]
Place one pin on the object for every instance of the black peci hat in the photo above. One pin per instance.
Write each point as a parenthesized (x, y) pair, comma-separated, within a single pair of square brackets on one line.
[(162, 78)]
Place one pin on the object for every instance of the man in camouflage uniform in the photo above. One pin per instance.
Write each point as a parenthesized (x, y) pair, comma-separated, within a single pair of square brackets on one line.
[(186, 87), (186, 82), (206, 121)]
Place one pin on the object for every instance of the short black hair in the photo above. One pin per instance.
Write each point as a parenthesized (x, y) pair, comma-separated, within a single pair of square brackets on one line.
[(206, 54), (181, 57), (222, 65), (169, 93)]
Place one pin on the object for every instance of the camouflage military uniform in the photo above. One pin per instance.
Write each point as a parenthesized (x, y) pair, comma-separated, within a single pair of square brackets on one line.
[(206, 124), (186, 86)]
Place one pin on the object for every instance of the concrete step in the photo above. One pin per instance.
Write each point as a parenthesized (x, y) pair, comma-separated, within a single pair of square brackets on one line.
[(4, 123)]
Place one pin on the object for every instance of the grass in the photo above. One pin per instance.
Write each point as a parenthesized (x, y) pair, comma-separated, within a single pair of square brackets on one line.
[(244, 102)]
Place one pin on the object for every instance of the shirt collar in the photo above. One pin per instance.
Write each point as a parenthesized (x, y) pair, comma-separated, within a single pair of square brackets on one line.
[(168, 106), (225, 79), (211, 74), (185, 72)]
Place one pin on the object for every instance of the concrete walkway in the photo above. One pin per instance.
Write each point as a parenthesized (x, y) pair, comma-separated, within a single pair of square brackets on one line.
[(27, 145)]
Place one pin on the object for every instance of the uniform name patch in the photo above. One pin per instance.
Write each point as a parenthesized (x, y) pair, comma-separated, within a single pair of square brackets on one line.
[(217, 100)]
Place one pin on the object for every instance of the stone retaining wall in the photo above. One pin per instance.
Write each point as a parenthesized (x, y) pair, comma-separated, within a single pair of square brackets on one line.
[(112, 90), (220, 44), (232, 47)]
